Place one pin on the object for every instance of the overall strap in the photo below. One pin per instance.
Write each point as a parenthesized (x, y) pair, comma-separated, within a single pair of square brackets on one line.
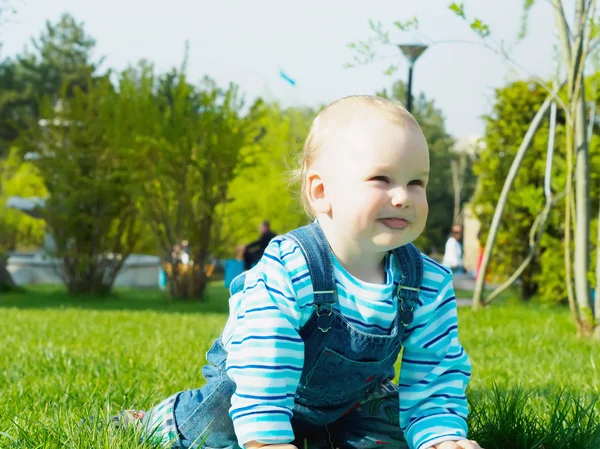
[(411, 266), (317, 254), (237, 284)]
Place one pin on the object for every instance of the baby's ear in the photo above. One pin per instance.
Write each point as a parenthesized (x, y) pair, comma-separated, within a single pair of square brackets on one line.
[(315, 190)]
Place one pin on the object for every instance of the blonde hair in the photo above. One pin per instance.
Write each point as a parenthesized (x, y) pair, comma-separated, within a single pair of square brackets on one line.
[(334, 116)]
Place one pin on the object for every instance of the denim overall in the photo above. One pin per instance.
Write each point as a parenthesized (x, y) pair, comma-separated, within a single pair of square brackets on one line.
[(345, 397)]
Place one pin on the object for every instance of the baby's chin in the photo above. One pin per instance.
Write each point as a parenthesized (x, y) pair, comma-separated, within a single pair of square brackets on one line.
[(387, 242)]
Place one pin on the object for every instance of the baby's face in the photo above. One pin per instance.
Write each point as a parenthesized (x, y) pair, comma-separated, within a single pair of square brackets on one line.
[(375, 179)]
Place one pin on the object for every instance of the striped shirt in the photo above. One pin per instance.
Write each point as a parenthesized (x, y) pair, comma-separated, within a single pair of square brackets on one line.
[(266, 354)]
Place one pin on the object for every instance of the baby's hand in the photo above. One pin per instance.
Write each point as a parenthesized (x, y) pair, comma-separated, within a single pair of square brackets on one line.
[(462, 444)]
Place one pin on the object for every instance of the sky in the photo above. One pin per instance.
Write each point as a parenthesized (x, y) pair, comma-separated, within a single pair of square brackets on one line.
[(249, 42)]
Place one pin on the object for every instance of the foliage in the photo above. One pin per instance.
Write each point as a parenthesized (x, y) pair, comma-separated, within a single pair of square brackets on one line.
[(260, 189), (61, 59), (515, 105), (85, 158), (17, 230), (190, 142), (174, 148)]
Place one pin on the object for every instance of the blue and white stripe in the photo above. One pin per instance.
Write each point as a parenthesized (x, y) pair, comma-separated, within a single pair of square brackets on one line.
[(266, 353)]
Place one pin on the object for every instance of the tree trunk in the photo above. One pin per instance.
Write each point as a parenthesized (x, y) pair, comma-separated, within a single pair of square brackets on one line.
[(583, 211), (529, 287), (575, 65), (597, 291), (204, 245), (189, 281), (569, 213), (457, 171), (6, 280), (512, 174), (564, 33)]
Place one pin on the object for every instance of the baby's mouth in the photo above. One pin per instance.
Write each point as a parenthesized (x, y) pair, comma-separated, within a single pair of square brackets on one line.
[(395, 223)]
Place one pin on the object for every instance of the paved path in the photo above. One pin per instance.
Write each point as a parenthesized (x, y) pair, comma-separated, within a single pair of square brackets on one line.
[(463, 302), (465, 282)]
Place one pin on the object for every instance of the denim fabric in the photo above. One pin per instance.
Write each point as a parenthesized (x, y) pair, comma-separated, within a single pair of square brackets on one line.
[(345, 397)]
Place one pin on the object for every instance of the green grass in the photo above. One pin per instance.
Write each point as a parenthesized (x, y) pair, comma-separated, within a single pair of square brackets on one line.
[(64, 359), (535, 384)]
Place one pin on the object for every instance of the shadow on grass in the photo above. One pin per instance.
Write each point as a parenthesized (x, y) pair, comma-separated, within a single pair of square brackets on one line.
[(56, 297)]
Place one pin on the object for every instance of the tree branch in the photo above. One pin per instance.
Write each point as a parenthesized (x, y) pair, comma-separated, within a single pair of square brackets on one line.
[(535, 235), (563, 31), (512, 174)]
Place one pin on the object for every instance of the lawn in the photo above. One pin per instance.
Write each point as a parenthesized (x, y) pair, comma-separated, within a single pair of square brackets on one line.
[(64, 359)]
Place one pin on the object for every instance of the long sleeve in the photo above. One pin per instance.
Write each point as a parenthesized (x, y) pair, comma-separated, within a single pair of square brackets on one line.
[(435, 367), (265, 352)]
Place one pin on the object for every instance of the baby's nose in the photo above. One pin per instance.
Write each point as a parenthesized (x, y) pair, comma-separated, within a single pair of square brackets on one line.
[(400, 198)]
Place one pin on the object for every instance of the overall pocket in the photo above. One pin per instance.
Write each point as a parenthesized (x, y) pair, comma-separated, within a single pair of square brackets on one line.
[(336, 379)]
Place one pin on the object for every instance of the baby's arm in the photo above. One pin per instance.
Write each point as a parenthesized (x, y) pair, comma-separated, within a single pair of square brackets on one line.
[(265, 352), (435, 372)]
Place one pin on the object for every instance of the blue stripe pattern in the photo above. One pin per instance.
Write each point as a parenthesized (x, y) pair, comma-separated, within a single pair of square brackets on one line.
[(266, 354)]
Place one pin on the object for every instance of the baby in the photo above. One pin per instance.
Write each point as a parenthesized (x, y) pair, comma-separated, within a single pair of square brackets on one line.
[(307, 356)]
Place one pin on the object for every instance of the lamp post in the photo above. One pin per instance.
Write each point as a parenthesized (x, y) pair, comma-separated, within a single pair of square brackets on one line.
[(412, 53)]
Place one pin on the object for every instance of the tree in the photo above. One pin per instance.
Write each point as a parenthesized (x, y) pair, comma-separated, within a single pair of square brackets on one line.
[(61, 59), (575, 48), (260, 188), (577, 42), (192, 144), (512, 113), (515, 106), (440, 188), (86, 159)]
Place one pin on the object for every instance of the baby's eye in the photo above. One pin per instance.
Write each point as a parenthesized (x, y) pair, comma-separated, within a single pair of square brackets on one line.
[(417, 182), (381, 178)]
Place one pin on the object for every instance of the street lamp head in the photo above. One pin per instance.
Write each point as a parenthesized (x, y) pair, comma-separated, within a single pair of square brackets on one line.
[(412, 51)]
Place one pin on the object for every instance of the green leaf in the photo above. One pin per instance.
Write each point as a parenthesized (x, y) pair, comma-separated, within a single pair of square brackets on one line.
[(527, 5), (458, 9), (408, 25), (383, 36), (391, 69), (480, 28)]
